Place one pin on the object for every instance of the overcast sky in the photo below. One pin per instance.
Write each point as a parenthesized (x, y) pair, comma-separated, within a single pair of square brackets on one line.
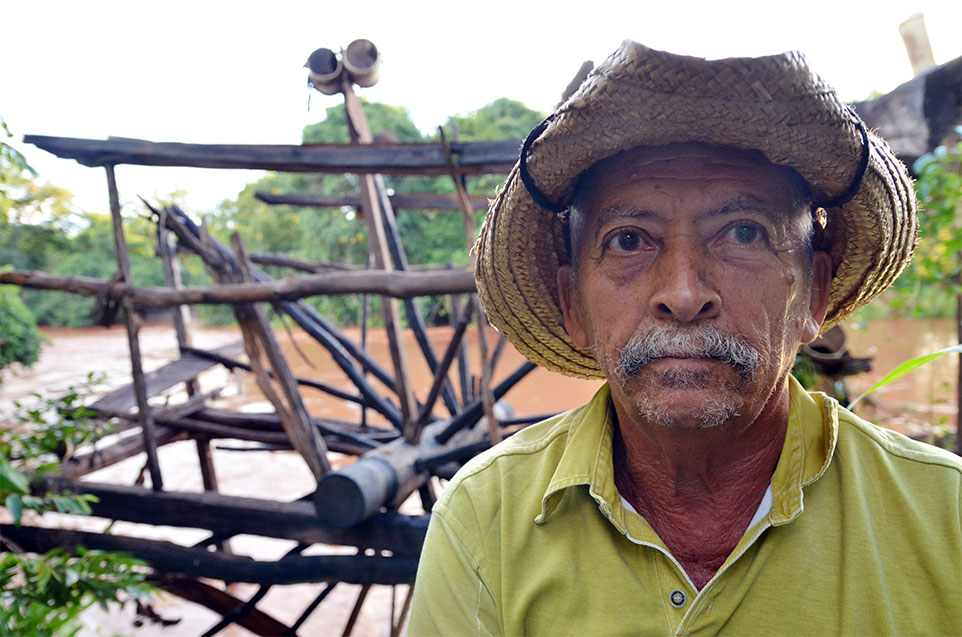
[(231, 72)]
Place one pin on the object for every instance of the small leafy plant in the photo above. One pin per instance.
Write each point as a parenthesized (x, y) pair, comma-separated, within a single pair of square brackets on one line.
[(45, 594)]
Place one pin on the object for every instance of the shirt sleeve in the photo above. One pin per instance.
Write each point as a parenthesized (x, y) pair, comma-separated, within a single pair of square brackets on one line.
[(450, 595)]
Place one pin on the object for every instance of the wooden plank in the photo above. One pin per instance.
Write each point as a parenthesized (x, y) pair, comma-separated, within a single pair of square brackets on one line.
[(167, 557), (233, 515), (126, 447), (412, 201), (186, 367), (919, 114), (474, 158), (395, 284)]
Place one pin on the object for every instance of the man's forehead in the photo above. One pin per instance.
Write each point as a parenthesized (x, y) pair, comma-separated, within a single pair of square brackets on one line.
[(668, 161), (750, 175)]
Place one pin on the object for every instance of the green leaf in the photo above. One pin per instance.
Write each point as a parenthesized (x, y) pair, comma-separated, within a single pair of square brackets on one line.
[(905, 368), (15, 504), (11, 479)]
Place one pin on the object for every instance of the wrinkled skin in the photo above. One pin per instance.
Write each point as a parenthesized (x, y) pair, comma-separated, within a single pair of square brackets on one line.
[(680, 238)]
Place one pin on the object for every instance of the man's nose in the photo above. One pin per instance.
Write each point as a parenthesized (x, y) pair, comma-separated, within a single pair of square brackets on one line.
[(683, 290)]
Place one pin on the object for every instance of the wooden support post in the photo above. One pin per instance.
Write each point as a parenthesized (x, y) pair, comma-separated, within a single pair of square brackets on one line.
[(464, 364), (181, 316), (259, 340), (173, 280), (133, 341), (377, 243), (487, 398)]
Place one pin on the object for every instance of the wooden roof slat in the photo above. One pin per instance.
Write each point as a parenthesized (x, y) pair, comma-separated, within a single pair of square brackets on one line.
[(394, 159)]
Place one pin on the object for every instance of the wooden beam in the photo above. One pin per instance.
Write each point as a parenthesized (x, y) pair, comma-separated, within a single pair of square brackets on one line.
[(414, 201), (126, 447), (186, 367), (167, 557), (360, 133), (233, 515), (394, 284), (474, 158), (918, 115), (133, 339)]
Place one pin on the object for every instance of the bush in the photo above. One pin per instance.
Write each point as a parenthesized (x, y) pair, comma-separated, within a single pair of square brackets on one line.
[(20, 340)]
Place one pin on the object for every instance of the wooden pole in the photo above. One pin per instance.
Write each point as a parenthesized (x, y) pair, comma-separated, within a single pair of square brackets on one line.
[(393, 284), (181, 316), (377, 243), (260, 340), (916, 39), (133, 341), (487, 397)]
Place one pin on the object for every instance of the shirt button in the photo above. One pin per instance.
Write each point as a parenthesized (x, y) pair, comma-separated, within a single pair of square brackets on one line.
[(677, 598)]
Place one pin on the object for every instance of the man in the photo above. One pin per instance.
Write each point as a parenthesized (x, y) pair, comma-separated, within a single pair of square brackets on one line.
[(680, 227)]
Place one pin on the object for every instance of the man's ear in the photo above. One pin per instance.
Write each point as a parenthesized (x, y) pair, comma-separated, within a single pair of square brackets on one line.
[(821, 289), (570, 309)]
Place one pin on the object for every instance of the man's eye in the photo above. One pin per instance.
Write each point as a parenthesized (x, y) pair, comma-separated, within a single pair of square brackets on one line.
[(745, 233), (625, 241)]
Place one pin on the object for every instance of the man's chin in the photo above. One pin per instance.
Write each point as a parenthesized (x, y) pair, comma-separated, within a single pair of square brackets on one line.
[(689, 407)]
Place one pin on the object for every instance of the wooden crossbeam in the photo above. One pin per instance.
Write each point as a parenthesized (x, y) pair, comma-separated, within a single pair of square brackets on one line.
[(395, 159)]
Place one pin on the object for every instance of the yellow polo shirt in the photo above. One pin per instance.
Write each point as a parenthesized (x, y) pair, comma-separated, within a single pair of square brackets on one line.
[(863, 537)]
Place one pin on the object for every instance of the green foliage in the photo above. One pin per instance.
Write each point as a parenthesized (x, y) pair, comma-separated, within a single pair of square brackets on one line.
[(41, 230), (13, 165), (37, 436), (501, 119), (929, 285), (20, 340), (338, 235), (45, 594)]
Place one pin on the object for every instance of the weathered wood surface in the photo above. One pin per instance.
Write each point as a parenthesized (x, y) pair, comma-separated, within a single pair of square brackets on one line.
[(918, 116), (167, 557), (226, 515), (132, 321), (181, 370), (395, 159), (279, 386), (126, 447), (393, 284), (398, 202)]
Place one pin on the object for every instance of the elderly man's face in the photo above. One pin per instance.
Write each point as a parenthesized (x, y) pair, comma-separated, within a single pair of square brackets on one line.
[(692, 285)]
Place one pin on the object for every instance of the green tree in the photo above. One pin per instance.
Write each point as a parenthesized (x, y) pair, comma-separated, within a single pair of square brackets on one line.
[(19, 338), (338, 234)]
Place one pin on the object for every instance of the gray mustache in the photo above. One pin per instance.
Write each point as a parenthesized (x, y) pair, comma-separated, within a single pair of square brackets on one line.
[(698, 342)]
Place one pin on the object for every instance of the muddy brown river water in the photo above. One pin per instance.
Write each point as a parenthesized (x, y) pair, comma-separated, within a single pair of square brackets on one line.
[(920, 402)]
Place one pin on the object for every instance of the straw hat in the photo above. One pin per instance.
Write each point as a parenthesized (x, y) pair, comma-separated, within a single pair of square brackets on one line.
[(643, 97)]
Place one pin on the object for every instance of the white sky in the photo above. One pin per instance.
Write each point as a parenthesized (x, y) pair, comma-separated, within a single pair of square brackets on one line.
[(231, 72)]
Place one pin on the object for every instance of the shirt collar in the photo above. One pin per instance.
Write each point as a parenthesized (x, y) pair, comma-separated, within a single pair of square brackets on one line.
[(587, 459)]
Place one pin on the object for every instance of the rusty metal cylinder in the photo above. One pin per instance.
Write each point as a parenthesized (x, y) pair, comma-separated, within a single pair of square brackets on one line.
[(361, 60), (325, 71)]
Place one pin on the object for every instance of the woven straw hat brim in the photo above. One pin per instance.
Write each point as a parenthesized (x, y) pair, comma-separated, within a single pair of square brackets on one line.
[(643, 97)]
